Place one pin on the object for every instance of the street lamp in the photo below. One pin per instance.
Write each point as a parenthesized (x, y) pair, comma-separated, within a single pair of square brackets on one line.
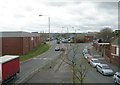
[(49, 34), (48, 23)]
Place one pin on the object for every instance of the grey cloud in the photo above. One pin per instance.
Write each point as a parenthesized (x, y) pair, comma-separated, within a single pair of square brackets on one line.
[(19, 16), (58, 4), (62, 3), (110, 7), (29, 9)]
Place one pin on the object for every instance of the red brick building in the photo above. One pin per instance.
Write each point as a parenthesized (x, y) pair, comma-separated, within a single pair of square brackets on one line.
[(18, 43), (88, 38), (115, 52), (109, 50)]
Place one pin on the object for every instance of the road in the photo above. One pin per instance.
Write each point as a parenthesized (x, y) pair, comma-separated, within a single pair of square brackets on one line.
[(60, 71), (92, 75), (62, 76), (31, 66)]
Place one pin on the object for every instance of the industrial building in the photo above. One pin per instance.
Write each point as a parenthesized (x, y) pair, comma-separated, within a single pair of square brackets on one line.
[(18, 43)]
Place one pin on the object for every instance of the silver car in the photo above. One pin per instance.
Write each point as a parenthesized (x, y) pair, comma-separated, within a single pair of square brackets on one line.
[(94, 62), (85, 51), (116, 77), (104, 69)]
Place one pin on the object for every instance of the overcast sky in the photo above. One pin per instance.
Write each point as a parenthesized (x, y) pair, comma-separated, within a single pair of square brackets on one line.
[(84, 16)]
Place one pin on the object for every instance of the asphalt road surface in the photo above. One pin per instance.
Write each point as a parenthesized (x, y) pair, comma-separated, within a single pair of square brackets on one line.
[(31, 66), (53, 75)]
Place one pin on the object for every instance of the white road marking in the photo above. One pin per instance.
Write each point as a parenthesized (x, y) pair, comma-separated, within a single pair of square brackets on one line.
[(41, 58), (96, 55)]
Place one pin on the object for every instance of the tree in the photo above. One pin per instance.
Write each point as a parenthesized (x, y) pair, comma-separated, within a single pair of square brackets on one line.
[(79, 70), (106, 34)]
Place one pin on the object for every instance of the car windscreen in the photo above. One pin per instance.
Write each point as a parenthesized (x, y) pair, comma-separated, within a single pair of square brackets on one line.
[(105, 67), (95, 61)]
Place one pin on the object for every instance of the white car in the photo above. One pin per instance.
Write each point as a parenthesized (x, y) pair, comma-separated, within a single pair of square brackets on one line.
[(104, 69), (116, 77), (86, 55), (57, 48), (94, 62)]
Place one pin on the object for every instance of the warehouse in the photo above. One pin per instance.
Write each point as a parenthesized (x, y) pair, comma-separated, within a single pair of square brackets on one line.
[(18, 43)]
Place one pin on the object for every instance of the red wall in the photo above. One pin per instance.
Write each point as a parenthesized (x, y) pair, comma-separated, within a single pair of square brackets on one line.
[(12, 45), (88, 38), (0, 46), (113, 49), (19, 45), (25, 45)]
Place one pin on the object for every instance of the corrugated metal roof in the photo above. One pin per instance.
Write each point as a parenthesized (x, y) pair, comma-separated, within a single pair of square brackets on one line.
[(18, 34), (7, 58)]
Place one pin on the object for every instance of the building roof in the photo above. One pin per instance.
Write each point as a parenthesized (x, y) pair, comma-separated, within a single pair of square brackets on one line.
[(116, 41), (18, 34), (103, 43)]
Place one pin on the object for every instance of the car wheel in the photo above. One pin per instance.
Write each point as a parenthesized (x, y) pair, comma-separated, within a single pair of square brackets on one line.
[(103, 73), (115, 81), (96, 69)]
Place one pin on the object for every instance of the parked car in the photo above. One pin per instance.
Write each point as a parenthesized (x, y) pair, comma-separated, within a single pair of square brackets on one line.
[(104, 69), (116, 77), (86, 55), (57, 48), (89, 57), (85, 51), (94, 62)]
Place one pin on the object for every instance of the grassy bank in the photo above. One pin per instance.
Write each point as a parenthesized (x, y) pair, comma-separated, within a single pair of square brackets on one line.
[(37, 51)]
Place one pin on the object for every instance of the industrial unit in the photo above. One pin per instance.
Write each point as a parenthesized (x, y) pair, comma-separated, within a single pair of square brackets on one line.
[(18, 43)]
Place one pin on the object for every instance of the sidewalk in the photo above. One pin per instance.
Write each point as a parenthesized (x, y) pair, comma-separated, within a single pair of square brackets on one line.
[(95, 54)]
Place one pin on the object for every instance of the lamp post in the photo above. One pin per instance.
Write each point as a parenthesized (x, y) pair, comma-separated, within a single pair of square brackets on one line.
[(48, 23), (49, 34)]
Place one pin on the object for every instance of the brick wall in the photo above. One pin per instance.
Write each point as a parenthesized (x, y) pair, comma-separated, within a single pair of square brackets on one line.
[(12, 45)]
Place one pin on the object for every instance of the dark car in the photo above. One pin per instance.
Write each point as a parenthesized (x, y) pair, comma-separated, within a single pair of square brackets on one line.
[(58, 41)]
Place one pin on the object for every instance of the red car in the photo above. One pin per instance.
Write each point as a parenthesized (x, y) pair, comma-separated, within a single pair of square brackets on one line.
[(89, 58)]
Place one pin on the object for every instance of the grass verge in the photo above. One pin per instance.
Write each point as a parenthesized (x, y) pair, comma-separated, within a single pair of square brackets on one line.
[(35, 52)]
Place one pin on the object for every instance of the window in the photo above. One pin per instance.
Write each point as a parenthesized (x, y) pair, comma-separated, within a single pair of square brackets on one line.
[(117, 50)]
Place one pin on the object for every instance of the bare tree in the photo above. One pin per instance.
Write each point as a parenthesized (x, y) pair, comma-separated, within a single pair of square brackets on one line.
[(80, 70), (106, 34)]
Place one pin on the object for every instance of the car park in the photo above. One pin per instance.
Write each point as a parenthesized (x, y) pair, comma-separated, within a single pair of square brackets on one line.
[(116, 77), (94, 62), (104, 69)]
